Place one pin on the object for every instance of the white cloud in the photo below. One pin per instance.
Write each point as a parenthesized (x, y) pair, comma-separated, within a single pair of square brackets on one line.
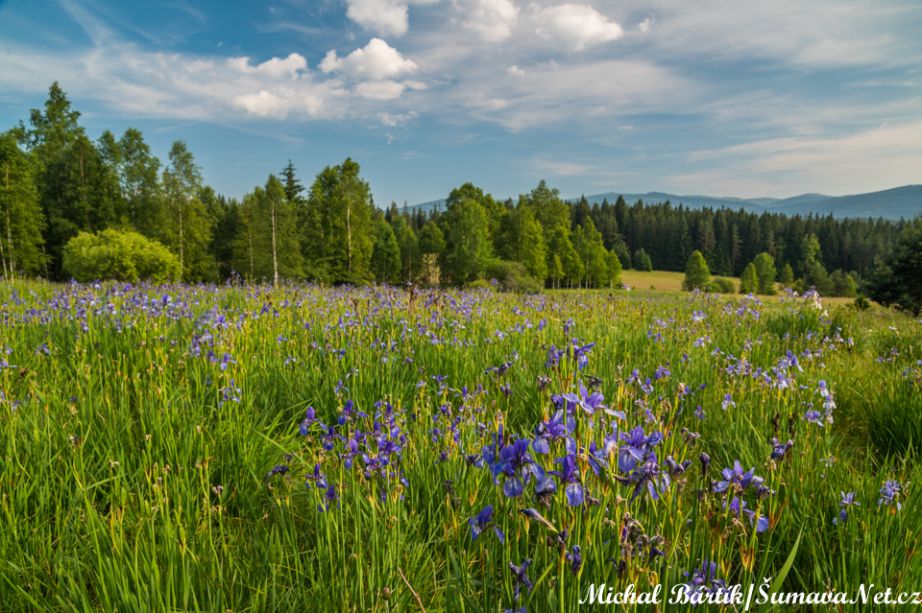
[(645, 25), (380, 90), (888, 154), (492, 19), (275, 67), (394, 120), (577, 26), (386, 17), (376, 61)]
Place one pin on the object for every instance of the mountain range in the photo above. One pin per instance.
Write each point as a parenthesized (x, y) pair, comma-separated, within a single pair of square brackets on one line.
[(899, 202)]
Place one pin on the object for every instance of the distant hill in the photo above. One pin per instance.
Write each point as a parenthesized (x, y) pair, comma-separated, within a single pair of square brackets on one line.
[(896, 203)]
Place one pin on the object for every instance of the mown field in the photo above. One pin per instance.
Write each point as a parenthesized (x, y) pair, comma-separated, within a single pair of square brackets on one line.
[(250, 449)]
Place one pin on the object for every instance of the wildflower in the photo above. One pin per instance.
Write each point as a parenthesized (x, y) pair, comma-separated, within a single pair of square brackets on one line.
[(481, 521), (846, 501), (738, 480), (738, 507), (519, 573), (533, 514), (814, 417), (569, 474), (780, 449), (648, 473), (575, 558), (278, 469), (704, 579), (889, 492), (705, 460), (581, 354), (727, 402)]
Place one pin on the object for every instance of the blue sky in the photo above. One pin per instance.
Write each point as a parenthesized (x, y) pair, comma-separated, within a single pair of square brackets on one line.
[(724, 98)]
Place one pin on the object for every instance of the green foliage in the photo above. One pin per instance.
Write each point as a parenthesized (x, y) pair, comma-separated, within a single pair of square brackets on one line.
[(697, 274), (431, 239), (513, 277), (613, 265), (897, 279), (843, 284), (522, 240), (721, 285), (766, 273), (587, 241), (120, 256), (268, 247), (642, 260), (385, 255), (749, 281), (468, 249), (139, 177), (189, 232), (787, 276), (337, 226), (411, 258), (21, 219)]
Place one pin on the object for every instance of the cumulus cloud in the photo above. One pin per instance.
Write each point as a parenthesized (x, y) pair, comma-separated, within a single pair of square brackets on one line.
[(645, 25), (577, 26), (376, 61), (492, 19), (385, 17)]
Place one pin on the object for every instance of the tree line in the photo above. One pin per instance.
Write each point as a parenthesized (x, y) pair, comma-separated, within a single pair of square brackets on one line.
[(57, 185)]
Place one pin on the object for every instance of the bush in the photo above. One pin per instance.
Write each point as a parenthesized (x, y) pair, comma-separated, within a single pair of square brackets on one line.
[(719, 285), (513, 277), (749, 282), (697, 273), (119, 256)]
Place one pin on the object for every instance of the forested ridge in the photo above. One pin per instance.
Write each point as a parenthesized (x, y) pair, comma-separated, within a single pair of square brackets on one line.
[(56, 183)]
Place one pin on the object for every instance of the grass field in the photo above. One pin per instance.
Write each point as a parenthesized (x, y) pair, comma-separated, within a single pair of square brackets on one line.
[(660, 281), (250, 449)]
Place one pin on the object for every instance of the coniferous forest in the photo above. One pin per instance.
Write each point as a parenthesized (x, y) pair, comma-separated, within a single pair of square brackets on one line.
[(58, 185)]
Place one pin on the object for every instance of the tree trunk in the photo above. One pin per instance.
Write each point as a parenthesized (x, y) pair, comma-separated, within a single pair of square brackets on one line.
[(275, 259), (182, 270)]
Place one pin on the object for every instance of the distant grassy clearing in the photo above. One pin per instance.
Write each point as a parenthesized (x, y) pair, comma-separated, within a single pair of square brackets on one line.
[(666, 281)]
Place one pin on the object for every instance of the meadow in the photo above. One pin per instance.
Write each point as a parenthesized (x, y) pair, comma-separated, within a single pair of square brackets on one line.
[(303, 448)]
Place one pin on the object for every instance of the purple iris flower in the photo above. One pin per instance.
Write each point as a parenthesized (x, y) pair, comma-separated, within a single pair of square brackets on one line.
[(635, 447), (581, 353), (520, 574), (575, 558), (569, 475), (481, 521), (846, 501), (738, 480), (550, 430), (738, 507), (889, 492), (512, 461)]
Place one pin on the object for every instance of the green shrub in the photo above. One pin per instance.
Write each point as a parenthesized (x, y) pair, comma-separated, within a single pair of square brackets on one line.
[(719, 285), (119, 256), (749, 282), (697, 274), (513, 277)]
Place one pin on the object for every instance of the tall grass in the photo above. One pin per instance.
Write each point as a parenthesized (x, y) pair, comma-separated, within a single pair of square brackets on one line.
[(152, 455)]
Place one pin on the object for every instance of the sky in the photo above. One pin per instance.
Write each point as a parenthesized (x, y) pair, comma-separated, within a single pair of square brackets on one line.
[(725, 98)]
